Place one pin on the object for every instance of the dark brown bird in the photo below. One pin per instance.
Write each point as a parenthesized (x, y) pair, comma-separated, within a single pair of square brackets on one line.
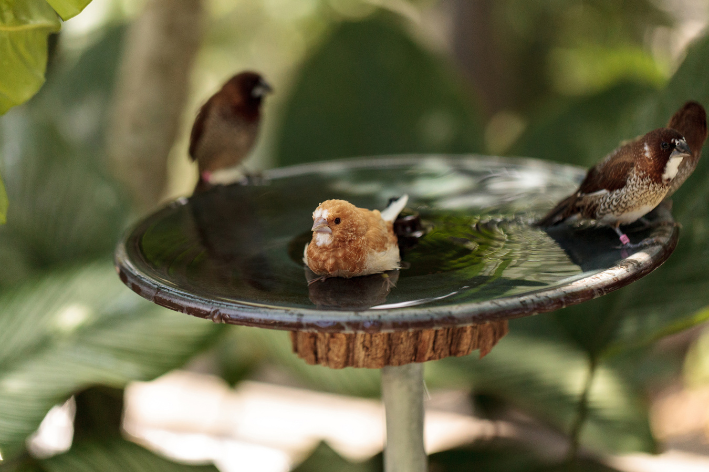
[(627, 184), (226, 126), (691, 122)]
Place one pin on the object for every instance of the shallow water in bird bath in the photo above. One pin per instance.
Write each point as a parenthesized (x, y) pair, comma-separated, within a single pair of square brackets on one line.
[(240, 248)]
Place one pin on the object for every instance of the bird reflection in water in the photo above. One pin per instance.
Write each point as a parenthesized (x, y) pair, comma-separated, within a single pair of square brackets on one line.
[(233, 237), (593, 248), (354, 294)]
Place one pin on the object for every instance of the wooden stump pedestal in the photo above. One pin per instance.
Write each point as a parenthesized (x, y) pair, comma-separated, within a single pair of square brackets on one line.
[(376, 350)]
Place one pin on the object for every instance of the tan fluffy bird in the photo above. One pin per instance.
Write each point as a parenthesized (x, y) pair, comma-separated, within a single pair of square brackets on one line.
[(350, 241)]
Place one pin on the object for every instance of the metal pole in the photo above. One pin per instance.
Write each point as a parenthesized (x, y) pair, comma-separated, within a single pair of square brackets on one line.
[(402, 391)]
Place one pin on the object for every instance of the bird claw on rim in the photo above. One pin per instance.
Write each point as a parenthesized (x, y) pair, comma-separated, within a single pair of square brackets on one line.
[(318, 279), (641, 244)]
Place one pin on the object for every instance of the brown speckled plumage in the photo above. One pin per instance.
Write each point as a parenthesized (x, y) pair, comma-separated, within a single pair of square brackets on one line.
[(627, 184)]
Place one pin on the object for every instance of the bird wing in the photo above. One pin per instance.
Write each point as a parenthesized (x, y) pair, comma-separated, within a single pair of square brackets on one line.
[(608, 175)]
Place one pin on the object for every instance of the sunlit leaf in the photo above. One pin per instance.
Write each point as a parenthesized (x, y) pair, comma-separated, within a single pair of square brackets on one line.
[(117, 455), (76, 328), (370, 89), (24, 27), (68, 8), (547, 380)]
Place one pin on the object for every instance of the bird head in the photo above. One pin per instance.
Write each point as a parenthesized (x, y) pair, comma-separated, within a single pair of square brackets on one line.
[(336, 221), (663, 152), (248, 89)]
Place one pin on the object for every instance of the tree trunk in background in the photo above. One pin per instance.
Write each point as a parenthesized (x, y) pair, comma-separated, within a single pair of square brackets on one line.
[(152, 90), (477, 52)]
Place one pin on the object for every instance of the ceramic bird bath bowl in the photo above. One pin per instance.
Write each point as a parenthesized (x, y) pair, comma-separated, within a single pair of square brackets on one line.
[(234, 255)]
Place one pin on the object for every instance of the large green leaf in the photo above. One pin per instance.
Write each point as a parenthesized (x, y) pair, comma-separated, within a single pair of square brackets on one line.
[(114, 455), (68, 8), (370, 89), (544, 377), (547, 379), (65, 206), (76, 328), (245, 348), (508, 457), (24, 27)]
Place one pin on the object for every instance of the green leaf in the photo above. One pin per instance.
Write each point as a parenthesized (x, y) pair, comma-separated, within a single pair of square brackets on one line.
[(370, 89), (243, 348), (65, 206), (324, 459), (24, 27), (99, 413), (506, 456), (77, 328), (583, 131), (117, 455), (68, 8), (547, 379)]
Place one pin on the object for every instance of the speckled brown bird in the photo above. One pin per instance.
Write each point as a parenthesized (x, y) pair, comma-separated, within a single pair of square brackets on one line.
[(627, 184), (350, 241), (691, 122), (226, 126)]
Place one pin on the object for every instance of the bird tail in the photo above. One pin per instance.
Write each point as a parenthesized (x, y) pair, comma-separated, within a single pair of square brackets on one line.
[(563, 210), (395, 206), (691, 122)]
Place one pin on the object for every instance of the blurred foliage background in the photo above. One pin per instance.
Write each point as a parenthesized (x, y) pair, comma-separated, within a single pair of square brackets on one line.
[(560, 80)]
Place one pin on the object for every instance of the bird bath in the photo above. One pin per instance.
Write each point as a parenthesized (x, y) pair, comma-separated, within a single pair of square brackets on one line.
[(233, 255)]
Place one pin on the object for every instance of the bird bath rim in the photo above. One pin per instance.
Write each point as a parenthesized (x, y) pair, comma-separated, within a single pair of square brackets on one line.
[(591, 285)]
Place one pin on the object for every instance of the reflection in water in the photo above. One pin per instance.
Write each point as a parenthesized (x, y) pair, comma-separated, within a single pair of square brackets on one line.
[(229, 229), (355, 294), (595, 248)]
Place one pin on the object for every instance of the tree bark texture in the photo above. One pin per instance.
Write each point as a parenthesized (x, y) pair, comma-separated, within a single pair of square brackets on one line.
[(376, 350), (152, 90)]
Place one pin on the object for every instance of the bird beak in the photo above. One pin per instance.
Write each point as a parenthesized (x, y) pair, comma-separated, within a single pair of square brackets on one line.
[(320, 226), (261, 89), (681, 148)]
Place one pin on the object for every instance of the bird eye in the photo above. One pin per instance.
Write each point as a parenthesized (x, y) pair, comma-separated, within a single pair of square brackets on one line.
[(337, 221), (665, 146)]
